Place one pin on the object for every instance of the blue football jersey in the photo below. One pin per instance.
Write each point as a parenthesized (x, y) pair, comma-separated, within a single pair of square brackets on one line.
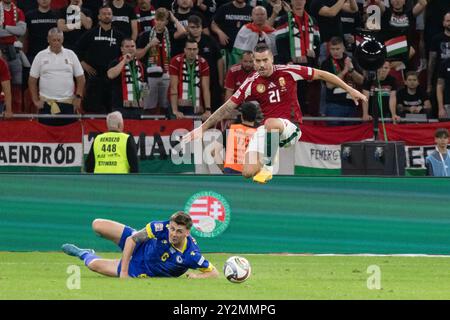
[(157, 257)]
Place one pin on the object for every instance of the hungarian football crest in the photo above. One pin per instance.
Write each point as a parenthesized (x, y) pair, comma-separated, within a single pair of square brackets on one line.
[(210, 214)]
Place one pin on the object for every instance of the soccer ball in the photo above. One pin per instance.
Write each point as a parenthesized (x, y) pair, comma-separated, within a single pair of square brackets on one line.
[(237, 269)]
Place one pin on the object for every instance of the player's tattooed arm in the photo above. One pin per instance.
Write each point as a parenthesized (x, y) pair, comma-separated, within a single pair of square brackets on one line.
[(140, 236), (220, 114)]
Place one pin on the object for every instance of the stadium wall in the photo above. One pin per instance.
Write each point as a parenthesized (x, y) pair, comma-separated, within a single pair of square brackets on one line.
[(291, 214)]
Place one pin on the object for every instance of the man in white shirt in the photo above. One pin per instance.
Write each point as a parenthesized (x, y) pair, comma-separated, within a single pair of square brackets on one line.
[(55, 68)]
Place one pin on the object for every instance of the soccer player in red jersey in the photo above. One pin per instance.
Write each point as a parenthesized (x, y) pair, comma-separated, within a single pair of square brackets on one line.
[(274, 87)]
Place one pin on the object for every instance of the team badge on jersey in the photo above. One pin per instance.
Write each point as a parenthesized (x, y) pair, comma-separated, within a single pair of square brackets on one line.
[(210, 213), (282, 81), (261, 88)]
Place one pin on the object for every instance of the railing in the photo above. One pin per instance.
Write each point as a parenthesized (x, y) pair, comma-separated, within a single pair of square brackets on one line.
[(162, 117)]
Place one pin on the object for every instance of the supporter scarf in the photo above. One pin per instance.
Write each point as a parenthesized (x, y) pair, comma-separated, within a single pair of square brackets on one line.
[(189, 86), (158, 61), (132, 81), (2, 13)]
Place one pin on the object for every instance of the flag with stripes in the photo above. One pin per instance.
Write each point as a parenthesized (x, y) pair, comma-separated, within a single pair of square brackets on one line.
[(396, 46)]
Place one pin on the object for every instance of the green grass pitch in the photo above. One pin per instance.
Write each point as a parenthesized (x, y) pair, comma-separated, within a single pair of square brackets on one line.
[(37, 275)]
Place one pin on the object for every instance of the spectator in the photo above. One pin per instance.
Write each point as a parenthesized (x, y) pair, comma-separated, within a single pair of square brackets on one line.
[(145, 14), (438, 162), (189, 83), (412, 99), (74, 21), (338, 102), (183, 9), (227, 22), (55, 68), (440, 51), (254, 33), (328, 15), (276, 9), (26, 5), (154, 46), (5, 92), (387, 89), (443, 90), (434, 15), (207, 8), (210, 51), (93, 6), (96, 49), (351, 23), (237, 74), (39, 22), (113, 151), (128, 82), (13, 25), (298, 42), (398, 28), (124, 18)]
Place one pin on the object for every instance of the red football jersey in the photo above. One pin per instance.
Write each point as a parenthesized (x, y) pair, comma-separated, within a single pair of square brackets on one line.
[(235, 77), (277, 94)]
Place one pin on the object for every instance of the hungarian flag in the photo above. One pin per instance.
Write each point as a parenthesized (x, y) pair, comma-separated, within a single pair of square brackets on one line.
[(319, 149), (396, 46)]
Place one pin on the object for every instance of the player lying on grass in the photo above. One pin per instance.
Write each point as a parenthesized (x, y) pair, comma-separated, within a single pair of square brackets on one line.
[(275, 89), (161, 249)]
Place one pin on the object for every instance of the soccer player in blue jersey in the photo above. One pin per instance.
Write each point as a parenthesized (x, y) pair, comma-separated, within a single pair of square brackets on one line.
[(161, 249)]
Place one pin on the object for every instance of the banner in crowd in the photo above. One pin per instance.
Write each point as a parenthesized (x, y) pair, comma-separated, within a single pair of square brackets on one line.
[(32, 147), (155, 140), (319, 149)]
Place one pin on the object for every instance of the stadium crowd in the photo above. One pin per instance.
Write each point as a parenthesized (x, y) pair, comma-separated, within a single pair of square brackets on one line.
[(186, 57)]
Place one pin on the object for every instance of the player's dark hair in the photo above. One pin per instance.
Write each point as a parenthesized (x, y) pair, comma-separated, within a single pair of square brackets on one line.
[(195, 20), (182, 218), (261, 47), (249, 111), (336, 40), (441, 132)]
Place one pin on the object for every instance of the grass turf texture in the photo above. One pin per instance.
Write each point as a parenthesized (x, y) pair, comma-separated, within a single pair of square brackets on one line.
[(44, 275)]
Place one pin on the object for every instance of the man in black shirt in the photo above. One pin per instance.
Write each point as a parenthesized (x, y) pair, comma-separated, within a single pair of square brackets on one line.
[(39, 22), (412, 99), (227, 22), (328, 16), (440, 51), (74, 21), (210, 51), (127, 82), (443, 90), (387, 89), (124, 19), (338, 102), (96, 49)]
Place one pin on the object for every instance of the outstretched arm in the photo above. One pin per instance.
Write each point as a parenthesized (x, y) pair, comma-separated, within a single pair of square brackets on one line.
[(219, 114), (336, 81), (212, 273), (130, 244)]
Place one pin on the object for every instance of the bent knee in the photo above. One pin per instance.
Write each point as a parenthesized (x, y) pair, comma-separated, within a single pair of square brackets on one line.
[(249, 172), (97, 225), (273, 124)]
